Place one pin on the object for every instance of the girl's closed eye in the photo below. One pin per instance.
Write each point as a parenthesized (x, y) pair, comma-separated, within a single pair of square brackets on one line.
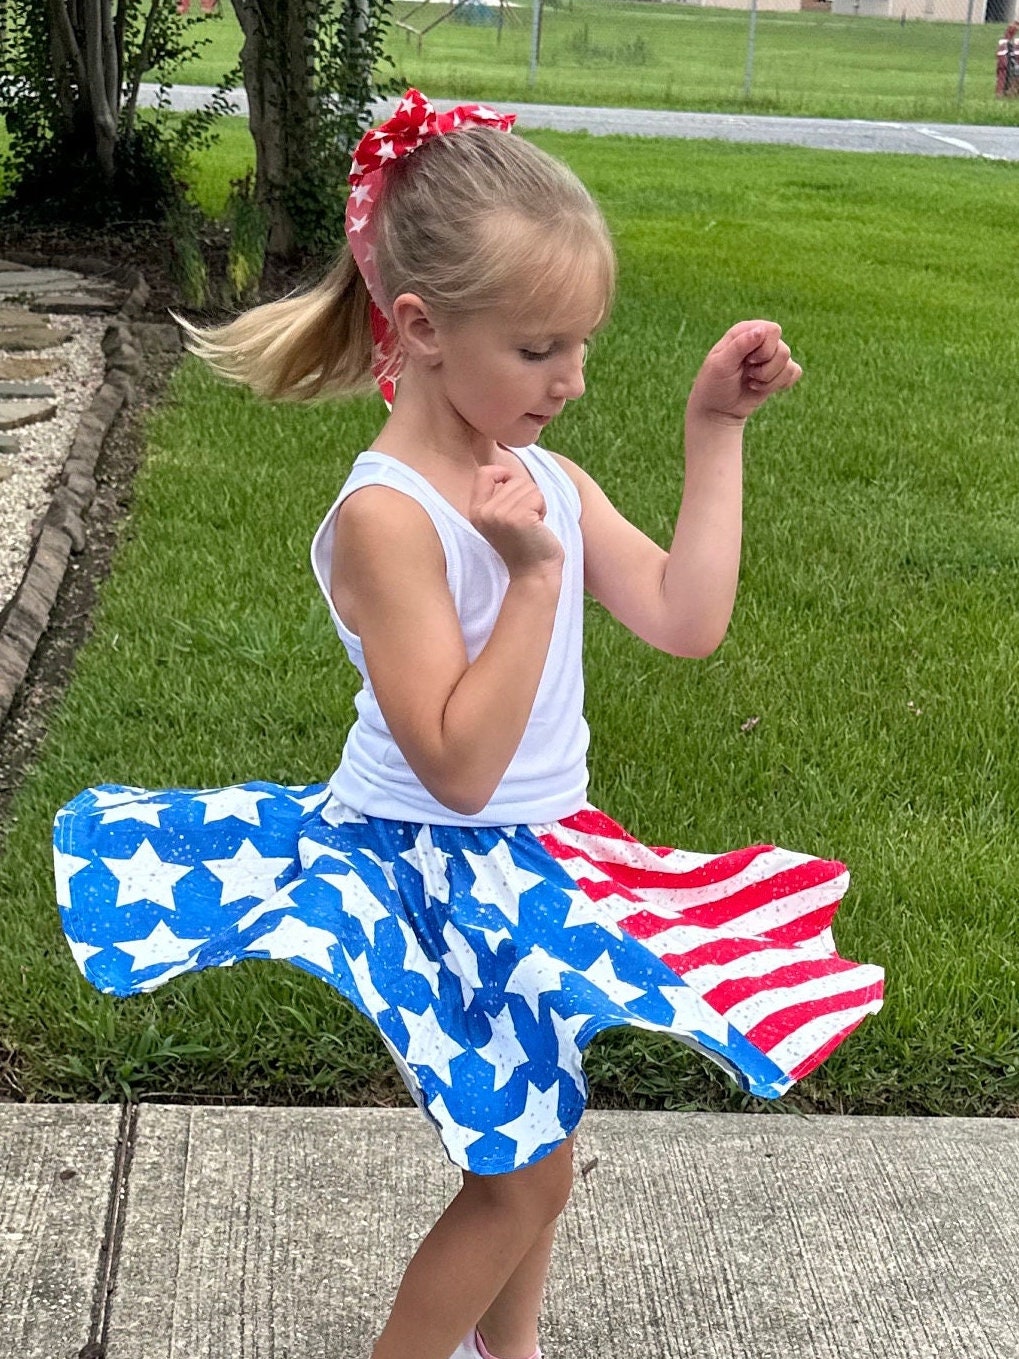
[(535, 355)]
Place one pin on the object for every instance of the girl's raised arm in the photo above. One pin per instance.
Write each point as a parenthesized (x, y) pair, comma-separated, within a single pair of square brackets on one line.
[(680, 601)]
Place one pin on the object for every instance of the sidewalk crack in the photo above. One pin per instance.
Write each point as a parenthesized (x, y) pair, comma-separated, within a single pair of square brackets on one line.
[(113, 1235)]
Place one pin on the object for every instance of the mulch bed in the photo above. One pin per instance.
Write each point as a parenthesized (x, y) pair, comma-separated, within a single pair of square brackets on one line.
[(148, 249)]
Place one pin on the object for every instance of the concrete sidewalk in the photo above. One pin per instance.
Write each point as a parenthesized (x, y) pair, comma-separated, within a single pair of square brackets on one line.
[(181, 1232), (969, 140)]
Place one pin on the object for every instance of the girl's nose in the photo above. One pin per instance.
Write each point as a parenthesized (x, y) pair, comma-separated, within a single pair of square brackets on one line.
[(569, 380)]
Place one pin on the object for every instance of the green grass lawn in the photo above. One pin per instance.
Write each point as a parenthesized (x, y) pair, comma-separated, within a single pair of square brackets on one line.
[(674, 56), (874, 638)]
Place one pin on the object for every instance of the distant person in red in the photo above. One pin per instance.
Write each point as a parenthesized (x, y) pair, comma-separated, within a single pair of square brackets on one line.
[(1008, 63)]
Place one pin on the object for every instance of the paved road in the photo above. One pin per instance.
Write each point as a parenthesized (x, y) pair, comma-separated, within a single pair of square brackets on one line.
[(828, 134)]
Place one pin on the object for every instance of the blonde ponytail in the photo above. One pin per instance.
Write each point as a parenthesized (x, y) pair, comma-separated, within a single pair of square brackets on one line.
[(314, 344)]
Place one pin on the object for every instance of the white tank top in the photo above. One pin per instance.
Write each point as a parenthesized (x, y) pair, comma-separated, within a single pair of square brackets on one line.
[(547, 777)]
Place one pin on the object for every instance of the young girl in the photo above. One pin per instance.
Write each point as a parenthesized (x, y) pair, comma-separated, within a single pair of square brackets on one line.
[(451, 879)]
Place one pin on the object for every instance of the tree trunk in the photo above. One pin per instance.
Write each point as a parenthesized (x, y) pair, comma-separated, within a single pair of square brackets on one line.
[(85, 55), (278, 63)]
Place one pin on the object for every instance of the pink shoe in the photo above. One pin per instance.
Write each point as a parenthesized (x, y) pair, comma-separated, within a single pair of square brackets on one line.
[(467, 1348)]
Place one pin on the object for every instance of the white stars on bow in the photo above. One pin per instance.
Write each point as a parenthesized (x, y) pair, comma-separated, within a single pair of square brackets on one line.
[(293, 938), (536, 973), (429, 1044), (500, 881), (503, 1051), (431, 863), (537, 1125), (603, 975), (64, 868), (361, 193), (238, 802), (247, 874), (161, 946), (146, 877), (356, 224)]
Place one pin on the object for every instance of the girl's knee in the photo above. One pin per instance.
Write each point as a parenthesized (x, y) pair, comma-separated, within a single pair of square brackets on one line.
[(537, 1192)]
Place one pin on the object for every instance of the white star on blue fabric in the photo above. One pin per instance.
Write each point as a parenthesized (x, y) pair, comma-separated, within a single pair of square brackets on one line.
[(415, 959), (456, 1137), (312, 851), (499, 880), (278, 901), (311, 802), (692, 1011), (566, 1030), (358, 900), (146, 812), (241, 803), (538, 1125), (462, 961), (430, 863), (161, 946), (247, 873), (583, 911), (385, 867), (125, 794), (146, 877), (82, 953), (429, 1044), (367, 990), (503, 1051), (64, 868), (293, 938), (603, 974), (536, 973)]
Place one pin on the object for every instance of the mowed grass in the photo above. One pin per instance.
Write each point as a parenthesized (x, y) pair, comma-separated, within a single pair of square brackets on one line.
[(874, 640), (673, 56)]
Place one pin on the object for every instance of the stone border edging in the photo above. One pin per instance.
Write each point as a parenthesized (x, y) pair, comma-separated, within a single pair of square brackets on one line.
[(61, 529)]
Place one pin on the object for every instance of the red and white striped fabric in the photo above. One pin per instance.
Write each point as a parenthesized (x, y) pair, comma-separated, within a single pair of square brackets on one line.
[(749, 931)]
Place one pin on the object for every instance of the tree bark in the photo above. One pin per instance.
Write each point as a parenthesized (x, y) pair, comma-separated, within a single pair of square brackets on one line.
[(278, 64)]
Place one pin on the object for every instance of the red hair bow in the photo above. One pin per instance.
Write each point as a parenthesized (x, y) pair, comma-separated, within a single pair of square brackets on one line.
[(414, 122)]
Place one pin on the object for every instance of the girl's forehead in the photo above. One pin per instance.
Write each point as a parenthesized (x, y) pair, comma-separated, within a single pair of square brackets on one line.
[(579, 312)]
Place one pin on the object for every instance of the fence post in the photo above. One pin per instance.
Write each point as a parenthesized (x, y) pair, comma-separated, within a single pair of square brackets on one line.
[(965, 51), (536, 38), (748, 78)]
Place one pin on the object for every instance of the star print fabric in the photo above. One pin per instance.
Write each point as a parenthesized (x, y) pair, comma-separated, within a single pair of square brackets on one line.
[(488, 957)]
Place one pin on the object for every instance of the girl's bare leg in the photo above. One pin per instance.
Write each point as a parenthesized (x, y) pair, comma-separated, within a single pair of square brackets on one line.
[(471, 1253), (510, 1326)]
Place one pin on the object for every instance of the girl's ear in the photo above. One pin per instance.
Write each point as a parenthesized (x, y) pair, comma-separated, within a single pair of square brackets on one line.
[(418, 338)]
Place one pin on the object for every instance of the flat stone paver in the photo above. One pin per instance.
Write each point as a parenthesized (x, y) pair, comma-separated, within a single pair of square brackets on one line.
[(52, 1223), (284, 1232)]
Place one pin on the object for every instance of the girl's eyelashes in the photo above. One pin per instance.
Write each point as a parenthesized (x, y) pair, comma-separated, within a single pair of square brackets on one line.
[(535, 355)]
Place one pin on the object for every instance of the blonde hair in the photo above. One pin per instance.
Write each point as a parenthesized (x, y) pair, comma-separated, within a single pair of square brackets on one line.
[(442, 223)]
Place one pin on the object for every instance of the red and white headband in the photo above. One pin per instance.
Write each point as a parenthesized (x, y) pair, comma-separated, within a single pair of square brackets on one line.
[(414, 123)]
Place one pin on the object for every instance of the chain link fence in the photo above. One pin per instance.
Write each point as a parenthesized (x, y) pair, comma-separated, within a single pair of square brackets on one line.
[(938, 60)]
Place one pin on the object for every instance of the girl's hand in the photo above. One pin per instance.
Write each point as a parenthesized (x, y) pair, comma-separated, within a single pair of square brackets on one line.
[(749, 363), (508, 510)]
